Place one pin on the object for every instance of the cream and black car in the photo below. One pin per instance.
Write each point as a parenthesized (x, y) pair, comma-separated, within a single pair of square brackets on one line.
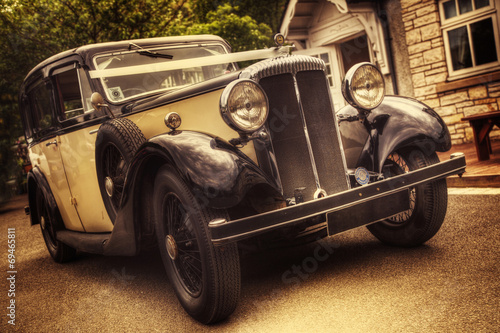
[(167, 141)]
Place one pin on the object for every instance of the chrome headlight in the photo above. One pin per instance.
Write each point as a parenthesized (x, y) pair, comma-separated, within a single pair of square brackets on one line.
[(364, 86), (244, 105)]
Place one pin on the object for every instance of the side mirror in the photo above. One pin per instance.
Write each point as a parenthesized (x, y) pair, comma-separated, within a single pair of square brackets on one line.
[(98, 103)]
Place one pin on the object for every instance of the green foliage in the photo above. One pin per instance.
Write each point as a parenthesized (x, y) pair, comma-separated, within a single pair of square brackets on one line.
[(64, 24), (33, 30), (243, 33), (263, 11)]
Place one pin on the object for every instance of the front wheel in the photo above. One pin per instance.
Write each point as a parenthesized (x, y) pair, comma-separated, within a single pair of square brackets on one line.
[(428, 204), (206, 278)]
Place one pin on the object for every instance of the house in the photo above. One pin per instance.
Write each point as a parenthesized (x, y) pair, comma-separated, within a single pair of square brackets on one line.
[(445, 53)]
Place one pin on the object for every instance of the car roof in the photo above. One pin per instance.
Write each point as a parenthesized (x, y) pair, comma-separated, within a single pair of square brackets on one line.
[(86, 52)]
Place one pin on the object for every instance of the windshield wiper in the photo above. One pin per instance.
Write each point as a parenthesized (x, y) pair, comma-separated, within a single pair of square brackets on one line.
[(148, 53)]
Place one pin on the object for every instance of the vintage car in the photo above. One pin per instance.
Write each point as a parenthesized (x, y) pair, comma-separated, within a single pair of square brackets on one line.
[(166, 141)]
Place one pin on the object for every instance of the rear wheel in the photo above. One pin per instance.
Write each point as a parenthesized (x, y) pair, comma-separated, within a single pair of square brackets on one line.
[(59, 251), (206, 279), (428, 204)]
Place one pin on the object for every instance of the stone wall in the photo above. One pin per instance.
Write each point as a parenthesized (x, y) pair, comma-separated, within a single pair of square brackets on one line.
[(452, 100)]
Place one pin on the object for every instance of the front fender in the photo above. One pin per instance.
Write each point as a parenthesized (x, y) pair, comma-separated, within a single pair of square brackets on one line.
[(397, 123), (218, 173)]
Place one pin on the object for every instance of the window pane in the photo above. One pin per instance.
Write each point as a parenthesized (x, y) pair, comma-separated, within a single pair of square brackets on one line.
[(483, 41), (465, 6), (131, 83), (85, 90), (325, 58), (41, 107), (481, 3), (355, 51), (69, 93), (450, 9), (460, 48)]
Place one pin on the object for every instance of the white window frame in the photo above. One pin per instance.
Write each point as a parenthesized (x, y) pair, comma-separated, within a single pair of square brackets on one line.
[(467, 19)]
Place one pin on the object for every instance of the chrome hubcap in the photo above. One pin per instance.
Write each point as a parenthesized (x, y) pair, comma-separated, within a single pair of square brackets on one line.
[(108, 184), (42, 222), (171, 247)]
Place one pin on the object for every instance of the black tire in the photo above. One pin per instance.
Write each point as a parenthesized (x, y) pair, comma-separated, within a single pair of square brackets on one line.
[(428, 204), (206, 278), (116, 143), (49, 223)]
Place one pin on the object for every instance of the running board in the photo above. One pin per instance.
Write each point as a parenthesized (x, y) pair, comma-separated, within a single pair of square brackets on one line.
[(90, 243)]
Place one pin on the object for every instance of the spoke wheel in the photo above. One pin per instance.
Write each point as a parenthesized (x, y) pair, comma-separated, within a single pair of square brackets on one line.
[(206, 278), (114, 175), (59, 251), (182, 246), (116, 143), (428, 203), (397, 166)]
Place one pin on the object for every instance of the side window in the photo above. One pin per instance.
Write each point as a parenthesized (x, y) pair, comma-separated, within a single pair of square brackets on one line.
[(69, 94), (40, 108), (26, 117), (471, 36)]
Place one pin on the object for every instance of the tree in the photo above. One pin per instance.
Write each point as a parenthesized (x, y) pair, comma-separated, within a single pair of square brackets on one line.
[(243, 33), (268, 12), (33, 30)]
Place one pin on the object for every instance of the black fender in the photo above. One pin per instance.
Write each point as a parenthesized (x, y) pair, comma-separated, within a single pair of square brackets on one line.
[(36, 180), (397, 123), (218, 174)]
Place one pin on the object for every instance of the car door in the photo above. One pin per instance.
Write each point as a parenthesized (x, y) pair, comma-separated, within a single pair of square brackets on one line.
[(77, 145), (45, 150)]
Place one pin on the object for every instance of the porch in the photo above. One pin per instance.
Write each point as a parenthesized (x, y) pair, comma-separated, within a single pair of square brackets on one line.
[(478, 173)]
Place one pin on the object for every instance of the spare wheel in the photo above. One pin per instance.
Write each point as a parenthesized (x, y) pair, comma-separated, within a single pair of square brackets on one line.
[(116, 143)]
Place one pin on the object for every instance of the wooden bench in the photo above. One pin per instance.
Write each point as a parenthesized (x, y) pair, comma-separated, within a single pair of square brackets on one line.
[(482, 124)]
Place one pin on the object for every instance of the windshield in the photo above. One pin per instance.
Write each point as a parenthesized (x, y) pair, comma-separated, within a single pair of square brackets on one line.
[(123, 87)]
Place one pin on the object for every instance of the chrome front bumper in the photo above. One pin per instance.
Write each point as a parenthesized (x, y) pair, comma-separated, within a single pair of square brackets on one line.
[(367, 204)]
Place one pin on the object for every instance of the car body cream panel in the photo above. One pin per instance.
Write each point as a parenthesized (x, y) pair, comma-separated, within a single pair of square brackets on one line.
[(199, 114), (48, 161), (78, 154)]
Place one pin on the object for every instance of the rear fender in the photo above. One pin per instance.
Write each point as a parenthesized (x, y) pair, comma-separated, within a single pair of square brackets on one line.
[(36, 181)]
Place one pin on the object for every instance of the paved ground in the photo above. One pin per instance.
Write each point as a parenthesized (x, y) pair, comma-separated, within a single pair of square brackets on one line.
[(450, 284)]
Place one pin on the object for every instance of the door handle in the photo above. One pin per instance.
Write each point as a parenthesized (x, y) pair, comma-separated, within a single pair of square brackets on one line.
[(51, 143)]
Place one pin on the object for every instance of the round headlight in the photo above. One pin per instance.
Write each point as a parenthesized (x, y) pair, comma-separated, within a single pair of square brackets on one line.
[(244, 106), (364, 86)]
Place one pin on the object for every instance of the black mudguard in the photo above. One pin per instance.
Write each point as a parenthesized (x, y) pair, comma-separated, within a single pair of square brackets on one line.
[(397, 123), (217, 173), (36, 180)]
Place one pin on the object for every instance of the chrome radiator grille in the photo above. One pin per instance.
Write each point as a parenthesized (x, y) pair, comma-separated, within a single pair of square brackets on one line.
[(301, 122)]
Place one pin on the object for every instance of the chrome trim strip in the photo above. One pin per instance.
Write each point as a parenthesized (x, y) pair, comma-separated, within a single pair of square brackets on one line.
[(282, 65), (306, 134)]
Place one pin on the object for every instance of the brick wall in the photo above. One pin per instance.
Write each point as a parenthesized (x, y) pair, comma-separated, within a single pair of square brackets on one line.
[(452, 100)]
